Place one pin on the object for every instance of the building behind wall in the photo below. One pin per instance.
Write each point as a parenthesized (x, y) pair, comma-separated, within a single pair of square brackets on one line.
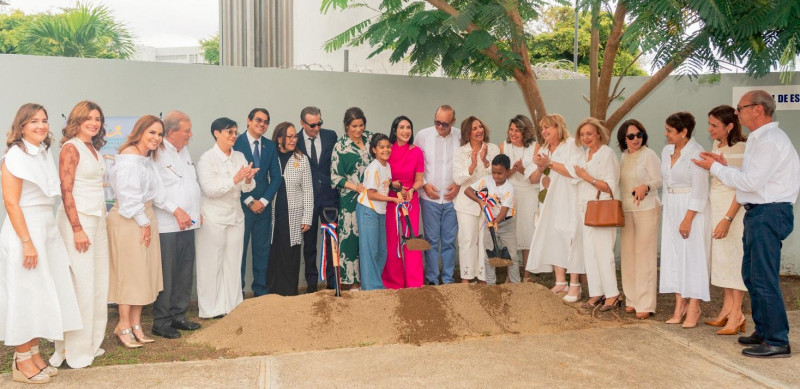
[(188, 55)]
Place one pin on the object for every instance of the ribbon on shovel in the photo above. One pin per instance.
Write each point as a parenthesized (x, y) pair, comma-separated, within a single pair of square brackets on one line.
[(328, 229), (402, 233)]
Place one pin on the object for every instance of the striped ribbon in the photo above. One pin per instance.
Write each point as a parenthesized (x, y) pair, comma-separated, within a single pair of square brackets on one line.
[(402, 233), (487, 209), (328, 229)]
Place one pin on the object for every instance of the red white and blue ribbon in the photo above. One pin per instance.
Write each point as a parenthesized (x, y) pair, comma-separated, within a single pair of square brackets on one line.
[(328, 229), (402, 233), (487, 209)]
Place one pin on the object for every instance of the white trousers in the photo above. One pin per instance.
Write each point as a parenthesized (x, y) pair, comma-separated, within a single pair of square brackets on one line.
[(598, 256), (90, 279), (471, 251), (506, 234), (219, 267)]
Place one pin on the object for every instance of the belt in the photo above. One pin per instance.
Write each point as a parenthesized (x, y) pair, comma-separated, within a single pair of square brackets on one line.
[(680, 189)]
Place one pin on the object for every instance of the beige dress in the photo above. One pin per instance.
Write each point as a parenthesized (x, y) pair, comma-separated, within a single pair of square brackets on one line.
[(727, 253), (134, 270)]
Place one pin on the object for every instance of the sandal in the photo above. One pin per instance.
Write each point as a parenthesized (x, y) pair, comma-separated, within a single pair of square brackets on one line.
[(143, 339), (572, 299), (50, 370), (39, 378), (589, 304), (616, 303), (563, 289)]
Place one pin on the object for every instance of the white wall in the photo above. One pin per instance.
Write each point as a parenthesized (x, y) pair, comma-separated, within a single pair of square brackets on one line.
[(129, 88)]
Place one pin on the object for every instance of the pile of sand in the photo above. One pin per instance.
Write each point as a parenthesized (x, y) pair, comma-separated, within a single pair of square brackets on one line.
[(274, 324)]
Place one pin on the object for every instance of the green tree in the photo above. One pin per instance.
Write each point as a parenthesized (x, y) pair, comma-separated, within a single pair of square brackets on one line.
[(11, 26), (556, 42), (488, 38), (211, 49), (80, 31)]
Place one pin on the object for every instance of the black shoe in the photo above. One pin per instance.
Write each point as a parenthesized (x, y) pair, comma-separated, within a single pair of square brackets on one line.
[(753, 339), (432, 283), (166, 332), (220, 316), (185, 325), (765, 350), (311, 288)]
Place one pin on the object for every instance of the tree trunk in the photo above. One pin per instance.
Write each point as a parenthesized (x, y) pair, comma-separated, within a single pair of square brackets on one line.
[(640, 94), (594, 48), (602, 99)]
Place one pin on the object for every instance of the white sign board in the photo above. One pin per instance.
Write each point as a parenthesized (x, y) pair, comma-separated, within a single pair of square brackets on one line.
[(787, 97)]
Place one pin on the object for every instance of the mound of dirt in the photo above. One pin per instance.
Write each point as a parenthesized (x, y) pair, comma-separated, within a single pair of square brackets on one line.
[(274, 324)]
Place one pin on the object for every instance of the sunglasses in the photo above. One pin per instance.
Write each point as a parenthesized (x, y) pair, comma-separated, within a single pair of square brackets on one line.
[(639, 135), (441, 124), (315, 125)]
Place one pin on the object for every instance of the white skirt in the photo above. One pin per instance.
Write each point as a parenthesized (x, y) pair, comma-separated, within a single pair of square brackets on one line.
[(684, 262), (526, 203), (40, 302)]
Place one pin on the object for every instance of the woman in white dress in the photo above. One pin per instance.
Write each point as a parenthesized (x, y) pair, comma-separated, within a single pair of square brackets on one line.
[(684, 232), (470, 164), (640, 178), (134, 249), (600, 177), (726, 245), (224, 174), (37, 299), (521, 145), (556, 244), (82, 223)]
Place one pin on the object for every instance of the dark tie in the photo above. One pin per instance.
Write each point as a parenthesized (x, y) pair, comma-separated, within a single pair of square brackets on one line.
[(256, 155), (313, 151)]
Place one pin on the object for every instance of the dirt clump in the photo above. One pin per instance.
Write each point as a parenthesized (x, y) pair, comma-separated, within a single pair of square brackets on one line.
[(274, 324)]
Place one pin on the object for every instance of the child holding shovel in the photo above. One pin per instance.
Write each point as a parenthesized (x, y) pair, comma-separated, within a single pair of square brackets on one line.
[(495, 195), (371, 213)]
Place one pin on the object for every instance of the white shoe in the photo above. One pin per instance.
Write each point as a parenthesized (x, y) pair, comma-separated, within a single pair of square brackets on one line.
[(99, 352), (573, 299)]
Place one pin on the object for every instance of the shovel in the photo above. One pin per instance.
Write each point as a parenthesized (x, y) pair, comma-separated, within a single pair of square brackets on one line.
[(501, 258), (334, 248), (415, 242)]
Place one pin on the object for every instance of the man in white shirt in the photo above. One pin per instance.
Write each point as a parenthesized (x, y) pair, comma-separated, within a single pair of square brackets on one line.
[(176, 230), (438, 144), (767, 186)]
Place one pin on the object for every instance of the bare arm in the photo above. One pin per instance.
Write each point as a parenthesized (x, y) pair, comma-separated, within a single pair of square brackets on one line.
[(67, 165)]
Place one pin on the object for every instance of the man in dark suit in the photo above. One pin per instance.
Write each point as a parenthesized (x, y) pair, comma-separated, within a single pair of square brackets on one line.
[(257, 205), (317, 144)]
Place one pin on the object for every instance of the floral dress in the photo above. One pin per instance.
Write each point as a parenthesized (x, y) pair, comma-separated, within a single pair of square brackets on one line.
[(347, 165)]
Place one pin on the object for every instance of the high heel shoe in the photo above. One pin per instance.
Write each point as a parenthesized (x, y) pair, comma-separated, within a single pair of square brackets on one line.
[(126, 338), (571, 299), (692, 324), (143, 339), (39, 378), (630, 309), (616, 303), (563, 289), (742, 327), (672, 320), (50, 370), (589, 304), (718, 323)]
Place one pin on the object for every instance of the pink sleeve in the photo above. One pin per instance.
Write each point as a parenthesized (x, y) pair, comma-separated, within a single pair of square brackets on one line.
[(420, 161)]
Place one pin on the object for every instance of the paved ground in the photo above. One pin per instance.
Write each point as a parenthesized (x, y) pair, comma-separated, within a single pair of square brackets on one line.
[(653, 355)]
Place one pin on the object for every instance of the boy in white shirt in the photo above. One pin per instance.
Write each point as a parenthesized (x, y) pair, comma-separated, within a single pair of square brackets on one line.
[(497, 187)]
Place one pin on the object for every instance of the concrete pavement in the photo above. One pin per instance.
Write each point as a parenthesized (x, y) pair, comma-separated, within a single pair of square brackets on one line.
[(649, 354)]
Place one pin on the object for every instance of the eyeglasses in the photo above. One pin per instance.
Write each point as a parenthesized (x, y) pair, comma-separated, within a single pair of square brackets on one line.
[(739, 109), (315, 125), (230, 132), (441, 124), (291, 136), (639, 135), (259, 121)]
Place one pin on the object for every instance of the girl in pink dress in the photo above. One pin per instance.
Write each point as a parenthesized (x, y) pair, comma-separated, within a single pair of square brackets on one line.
[(407, 164)]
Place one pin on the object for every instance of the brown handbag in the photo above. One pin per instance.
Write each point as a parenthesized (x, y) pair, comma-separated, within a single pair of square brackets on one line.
[(604, 213)]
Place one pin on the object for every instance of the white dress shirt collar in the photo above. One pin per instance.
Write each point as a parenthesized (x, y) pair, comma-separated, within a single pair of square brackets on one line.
[(221, 154)]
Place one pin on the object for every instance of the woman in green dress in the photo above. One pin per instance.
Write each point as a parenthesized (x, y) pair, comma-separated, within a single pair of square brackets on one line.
[(350, 158)]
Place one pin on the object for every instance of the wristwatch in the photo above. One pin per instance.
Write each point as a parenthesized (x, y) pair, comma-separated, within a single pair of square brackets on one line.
[(250, 204), (728, 218)]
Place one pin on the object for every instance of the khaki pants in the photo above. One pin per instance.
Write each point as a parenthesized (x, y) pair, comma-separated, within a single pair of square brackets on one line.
[(639, 247)]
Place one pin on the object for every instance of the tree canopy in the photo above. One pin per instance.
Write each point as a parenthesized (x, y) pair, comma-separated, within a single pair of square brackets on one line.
[(80, 31), (490, 39), (210, 48), (10, 30)]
